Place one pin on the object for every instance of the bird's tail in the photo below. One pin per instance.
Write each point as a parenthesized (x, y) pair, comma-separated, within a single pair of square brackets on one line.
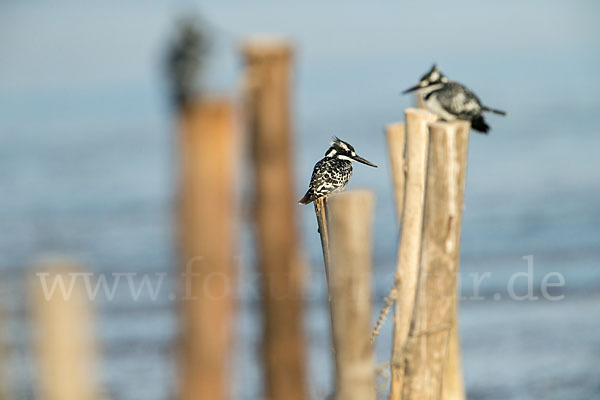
[(479, 124), (308, 198), (493, 110)]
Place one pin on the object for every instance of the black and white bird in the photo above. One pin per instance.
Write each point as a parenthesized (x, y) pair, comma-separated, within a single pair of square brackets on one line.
[(450, 100), (332, 172)]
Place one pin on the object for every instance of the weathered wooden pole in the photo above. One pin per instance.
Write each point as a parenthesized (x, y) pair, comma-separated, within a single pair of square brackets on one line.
[(268, 83), (206, 221), (396, 138), (453, 380), (417, 144), (351, 220), (425, 354), (64, 346), (453, 387)]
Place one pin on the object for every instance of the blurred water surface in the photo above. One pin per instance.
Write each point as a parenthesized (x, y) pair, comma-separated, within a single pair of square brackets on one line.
[(87, 168)]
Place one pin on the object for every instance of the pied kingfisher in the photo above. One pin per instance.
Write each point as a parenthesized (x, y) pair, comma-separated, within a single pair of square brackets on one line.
[(332, 172), (450, 100)]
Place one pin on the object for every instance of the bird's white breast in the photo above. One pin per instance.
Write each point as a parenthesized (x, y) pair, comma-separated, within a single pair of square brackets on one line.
[(435, 107)]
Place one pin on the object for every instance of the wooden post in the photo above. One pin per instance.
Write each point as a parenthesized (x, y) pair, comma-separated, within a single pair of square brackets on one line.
[(453, 380), (453, 387), (396, 137), (206, 222), (417, 142), (64, 345), (268, 76), (426, 352), (351, 220)]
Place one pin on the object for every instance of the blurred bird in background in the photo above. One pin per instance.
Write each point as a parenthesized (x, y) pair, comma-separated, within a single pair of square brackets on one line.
[(451, 100), (186, 59)]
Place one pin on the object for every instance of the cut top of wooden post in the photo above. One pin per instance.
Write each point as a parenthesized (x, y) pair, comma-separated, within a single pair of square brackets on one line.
[(419, 114), (264, 46), (458, 125), (65, 347), (268, 96)]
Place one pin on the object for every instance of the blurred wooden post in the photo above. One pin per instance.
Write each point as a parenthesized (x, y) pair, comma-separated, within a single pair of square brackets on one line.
[(206, 223), (65, 348), (417, 142), (351, 220), (420, 99), (396, 137), (426, 352), (268, 81)]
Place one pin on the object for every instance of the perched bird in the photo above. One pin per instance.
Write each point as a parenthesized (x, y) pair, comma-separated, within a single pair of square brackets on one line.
[(186, 60), (332, 172), (450, 100)]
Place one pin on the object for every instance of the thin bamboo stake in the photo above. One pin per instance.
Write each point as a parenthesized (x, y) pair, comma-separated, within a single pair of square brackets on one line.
[(396, 137), (417, 141), (65, 348), (206, 221), (321, 213), (426, 352), (351, 220), (268, 76), (323, 224)]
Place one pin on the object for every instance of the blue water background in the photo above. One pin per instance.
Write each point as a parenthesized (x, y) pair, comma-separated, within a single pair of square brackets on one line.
[(87, 167)]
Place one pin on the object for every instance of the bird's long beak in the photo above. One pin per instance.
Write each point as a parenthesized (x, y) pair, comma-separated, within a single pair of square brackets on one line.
[(412, 89), (362, 160)]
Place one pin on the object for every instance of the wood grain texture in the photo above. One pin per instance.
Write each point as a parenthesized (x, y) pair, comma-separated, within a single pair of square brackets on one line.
[(207, 235), (268, 107), (351, 221), (453, 387), (417, 144), (426, 353), (453, 380)]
